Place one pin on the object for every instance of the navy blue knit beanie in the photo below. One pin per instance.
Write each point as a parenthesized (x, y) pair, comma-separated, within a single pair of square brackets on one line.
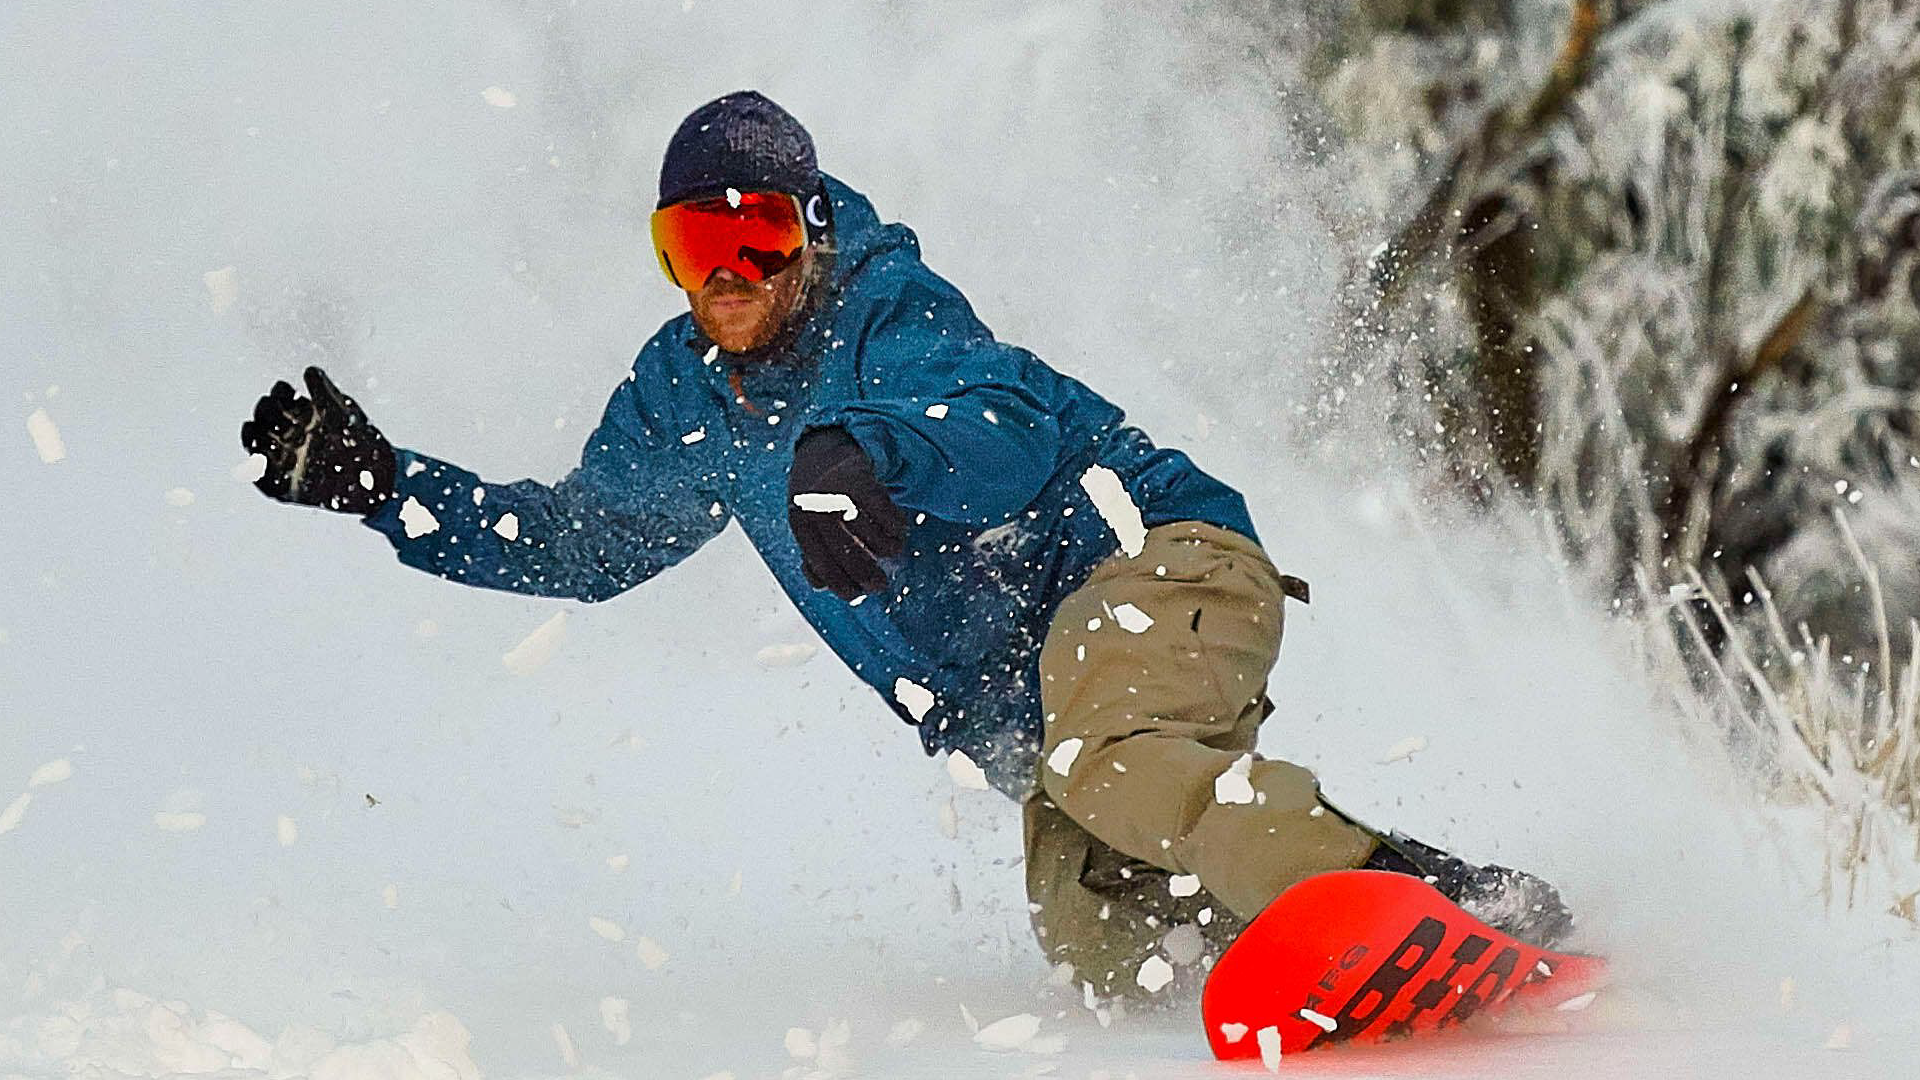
[(742, 141)]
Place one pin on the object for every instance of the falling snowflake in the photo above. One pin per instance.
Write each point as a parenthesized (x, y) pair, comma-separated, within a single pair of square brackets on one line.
[(913, 697), (1232, 788), (1063, 756), (965, 774)]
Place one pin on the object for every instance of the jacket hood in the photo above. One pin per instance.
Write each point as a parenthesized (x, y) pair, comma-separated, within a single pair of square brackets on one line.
[(858, 235)]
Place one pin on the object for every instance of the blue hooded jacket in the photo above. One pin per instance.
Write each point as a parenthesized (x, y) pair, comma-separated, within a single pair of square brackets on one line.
[(982, 444)]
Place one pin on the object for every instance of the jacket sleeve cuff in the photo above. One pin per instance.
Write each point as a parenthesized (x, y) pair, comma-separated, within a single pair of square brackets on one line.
[(872, 435), (876, 439), (411, 470)]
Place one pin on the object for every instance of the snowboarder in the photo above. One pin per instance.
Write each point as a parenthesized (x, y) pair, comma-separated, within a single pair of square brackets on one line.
[(1022, 576)]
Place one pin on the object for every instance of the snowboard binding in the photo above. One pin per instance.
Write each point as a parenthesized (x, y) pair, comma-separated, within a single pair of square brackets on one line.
[(1511, 901)]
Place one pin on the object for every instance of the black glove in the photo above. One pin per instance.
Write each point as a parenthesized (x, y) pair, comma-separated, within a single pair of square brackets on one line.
[(320, 451), (841, 550)]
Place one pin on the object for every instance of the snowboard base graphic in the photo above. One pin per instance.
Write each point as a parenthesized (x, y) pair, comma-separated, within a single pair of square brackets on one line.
[(1366, 955)]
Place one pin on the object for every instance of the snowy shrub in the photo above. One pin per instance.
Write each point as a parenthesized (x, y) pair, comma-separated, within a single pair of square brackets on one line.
[(1661, 280)]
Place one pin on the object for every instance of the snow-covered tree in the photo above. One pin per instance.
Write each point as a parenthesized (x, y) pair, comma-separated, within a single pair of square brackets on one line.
[(1660, 276)]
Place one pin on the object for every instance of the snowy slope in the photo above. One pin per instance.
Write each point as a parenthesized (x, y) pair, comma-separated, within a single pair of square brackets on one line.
[(306, 801)]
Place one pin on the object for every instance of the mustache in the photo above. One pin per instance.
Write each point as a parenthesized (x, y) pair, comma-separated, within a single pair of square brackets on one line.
[(718, 289)]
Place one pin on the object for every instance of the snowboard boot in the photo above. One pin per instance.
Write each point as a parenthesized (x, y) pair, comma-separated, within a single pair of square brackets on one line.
[(1511, 901)]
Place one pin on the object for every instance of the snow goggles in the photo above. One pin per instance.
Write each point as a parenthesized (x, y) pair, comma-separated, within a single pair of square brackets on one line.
[(755, 234)]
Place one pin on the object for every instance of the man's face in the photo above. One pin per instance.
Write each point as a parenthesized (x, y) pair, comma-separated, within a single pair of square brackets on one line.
[(740, 315)]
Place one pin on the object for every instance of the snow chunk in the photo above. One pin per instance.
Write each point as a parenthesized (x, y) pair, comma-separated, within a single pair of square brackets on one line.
[(965, 774), (1577, 1004), (1232, 787), (1233, 1033), (126, 1034), (1132, 619), (286, 831), (1269, 1040), (415, 468), (800, 1043), (417, 519), (1841, 1039), (937, 410), (651, 954), (15, 811), (508, 527), (1011, 1033), (538, 647), (1184, 884), (251, 469), (607, 928), (1320, 1020), (1063, 756), (436, 1048), (785, 656), (833, 1057), (904, 1032), (1154, 975), (390, 896), (499, 97), (694, 436), (223, 288), (916, 699), (827, 503), (1404, 749), (46, 437), (179, 497), (53, 772), (733, 198), (1110, 498), (568, 1055), (949, 818), (168, 821), (618, 863), (613, 1016)]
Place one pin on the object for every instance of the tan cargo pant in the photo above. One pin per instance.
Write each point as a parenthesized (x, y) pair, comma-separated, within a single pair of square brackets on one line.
[(1153, 682)]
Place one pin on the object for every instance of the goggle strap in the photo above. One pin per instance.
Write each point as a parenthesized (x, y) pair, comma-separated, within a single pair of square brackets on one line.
[(816, 211)]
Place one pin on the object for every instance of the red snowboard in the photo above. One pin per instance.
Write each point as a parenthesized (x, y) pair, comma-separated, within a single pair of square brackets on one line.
[(1366, 955)]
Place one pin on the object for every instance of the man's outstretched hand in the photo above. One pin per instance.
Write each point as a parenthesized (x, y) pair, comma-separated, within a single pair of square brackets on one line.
[(320, 450), (841, 515)]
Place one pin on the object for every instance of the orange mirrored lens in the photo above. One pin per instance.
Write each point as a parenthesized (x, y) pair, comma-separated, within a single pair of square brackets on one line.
[(756, 238)]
